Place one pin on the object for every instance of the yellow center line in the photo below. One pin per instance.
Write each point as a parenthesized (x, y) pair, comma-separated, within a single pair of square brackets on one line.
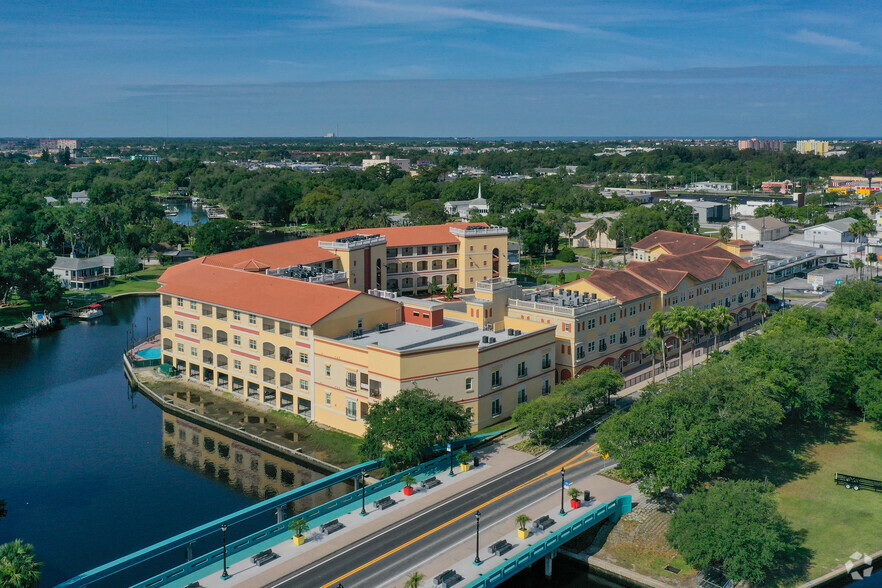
[(549, 473)]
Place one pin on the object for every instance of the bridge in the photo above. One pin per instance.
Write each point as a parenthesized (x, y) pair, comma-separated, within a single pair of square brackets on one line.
[(434, 528)]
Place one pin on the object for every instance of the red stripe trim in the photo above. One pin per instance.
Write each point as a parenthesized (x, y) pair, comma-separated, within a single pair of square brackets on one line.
[(244, 330), (186, 338), (304, 372), (190, 316), (237, 352), (299, 344)]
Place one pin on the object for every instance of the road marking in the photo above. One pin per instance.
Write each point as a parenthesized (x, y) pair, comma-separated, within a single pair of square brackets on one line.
[(458, 518)]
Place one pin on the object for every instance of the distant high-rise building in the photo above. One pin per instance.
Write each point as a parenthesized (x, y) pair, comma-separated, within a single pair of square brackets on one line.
[(55, 145), (813, 146), (761, 144)]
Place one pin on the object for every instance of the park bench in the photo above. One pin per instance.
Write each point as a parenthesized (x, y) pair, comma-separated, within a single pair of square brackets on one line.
[(331, 526), (195, 584), (384, 503), (446, 579), (543, 522), (265, 556), (500, 547), (430, 483)]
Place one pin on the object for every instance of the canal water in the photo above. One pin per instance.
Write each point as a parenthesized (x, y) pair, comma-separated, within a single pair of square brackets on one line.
[(188, 213), (92, 472)]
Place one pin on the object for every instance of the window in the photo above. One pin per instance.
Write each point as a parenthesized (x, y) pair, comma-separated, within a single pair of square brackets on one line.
[(252, 319), (623, 338), (612, 339), (192, 305), (632, 311), (522, 369), (194, 352), (601, 345), (592, 323), (328, 398), (180, 302), (350, 379), (180, 347), (522, 395), (469, 382), (193, 328), (496, 407), (237, 316), (252, 344), (546, 387), (237, 364), (546, 361), (591, 346), (495, 379), (304, 358), (304, 332), (350, 408), (304, 385), (180, 325), (580, 351), (328, 370), (643, 330), (237, 339), (633, 331), (612, 317), (254, 464), (252, 369)]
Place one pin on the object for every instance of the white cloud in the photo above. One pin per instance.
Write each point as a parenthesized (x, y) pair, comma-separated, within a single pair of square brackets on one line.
[(821, 40)]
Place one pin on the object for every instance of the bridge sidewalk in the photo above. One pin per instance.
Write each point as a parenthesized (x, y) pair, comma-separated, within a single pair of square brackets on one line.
[(494, 459), (460, 556)]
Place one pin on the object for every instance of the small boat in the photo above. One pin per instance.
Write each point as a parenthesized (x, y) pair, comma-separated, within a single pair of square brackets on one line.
[(196, 200), (16, 332), (92, 311), (173, 211)]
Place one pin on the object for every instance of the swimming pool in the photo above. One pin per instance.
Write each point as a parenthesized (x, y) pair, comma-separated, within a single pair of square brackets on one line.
[(150, 353)]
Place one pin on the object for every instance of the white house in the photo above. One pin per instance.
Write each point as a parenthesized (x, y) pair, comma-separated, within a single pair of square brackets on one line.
[(765, 228), (81, 197), (603, 240), (84, 273), (833, 233), (464, 208)]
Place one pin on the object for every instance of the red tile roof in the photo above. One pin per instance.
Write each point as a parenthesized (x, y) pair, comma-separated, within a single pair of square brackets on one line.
[(624, 286), (307, 251), (675, 243), (283, 298), (668, 271)]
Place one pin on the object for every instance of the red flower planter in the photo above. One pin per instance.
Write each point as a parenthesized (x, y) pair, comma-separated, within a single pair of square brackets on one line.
[(576, 503), (408, 490)]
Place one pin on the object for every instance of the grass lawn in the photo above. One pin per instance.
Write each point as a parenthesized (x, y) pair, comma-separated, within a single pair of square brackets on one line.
[(838, 521), (141, 281)]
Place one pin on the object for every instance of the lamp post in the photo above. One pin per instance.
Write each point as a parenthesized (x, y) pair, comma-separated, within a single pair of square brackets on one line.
[(225, 575), (450, 451), (477, 537), (147, 330), (363, 511), (563, 474)]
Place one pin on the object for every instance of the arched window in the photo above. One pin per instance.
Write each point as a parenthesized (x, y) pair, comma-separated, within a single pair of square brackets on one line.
[(207, 334), (269, 350), (166, 344), (269, 376), (166, 322), (207, 357)]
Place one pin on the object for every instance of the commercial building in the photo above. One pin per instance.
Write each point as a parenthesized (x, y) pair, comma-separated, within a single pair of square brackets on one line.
[(710, 186), (707, 212), (638, 194), (812, 146), (326, 327), (402, 164), (834, 232), (783, 187), (56, 145), (783, 260), (761, 144), (764, 228)]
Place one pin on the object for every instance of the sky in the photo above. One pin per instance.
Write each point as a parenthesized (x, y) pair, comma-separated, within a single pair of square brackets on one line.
[(440, 68)]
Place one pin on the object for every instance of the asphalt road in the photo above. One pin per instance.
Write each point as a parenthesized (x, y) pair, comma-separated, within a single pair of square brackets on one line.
[(408, 544)]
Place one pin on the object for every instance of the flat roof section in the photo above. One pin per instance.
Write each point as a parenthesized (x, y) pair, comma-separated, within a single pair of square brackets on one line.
[(403, 337)]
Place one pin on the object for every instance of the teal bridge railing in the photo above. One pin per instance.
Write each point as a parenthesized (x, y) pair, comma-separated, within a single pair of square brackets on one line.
[(523, 560), (385, 486)]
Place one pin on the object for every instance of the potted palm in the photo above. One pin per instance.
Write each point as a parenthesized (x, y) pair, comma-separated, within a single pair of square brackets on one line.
[(409, 481), (522, 520), (464, 458), (299, 526), (574, 498)]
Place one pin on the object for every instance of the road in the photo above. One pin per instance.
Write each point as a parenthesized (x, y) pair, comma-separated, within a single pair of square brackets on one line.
[(408, 544)]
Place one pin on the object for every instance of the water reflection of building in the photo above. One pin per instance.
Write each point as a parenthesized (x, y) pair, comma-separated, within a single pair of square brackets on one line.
[(253, 471)]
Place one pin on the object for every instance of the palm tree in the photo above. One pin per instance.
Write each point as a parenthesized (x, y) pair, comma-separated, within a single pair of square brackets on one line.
[(679, 322), (719, 320), (694, 318), (725, 234), (599, 228), (653, 346), (414, 580), (763, 309), (861, 227), (857, 265), (522, 521), (872, 258), (19, 567), (591, 235), (657, 323), (733, 204)]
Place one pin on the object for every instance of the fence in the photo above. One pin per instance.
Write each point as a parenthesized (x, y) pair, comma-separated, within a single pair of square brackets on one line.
[(614, 509)]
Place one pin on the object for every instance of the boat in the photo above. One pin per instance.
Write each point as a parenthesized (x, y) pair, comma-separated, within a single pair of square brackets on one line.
[(41, 321), (92, 311), (173, 211), (196, 200), (15, 332), (213, 212)]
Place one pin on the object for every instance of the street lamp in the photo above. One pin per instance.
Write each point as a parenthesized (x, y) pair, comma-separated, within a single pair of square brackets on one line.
[(450, 451), (477, 537), (363, 511), (225, 575), (563, 475)]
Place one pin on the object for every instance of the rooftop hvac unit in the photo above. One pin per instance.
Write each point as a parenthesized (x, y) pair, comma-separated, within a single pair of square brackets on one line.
[(485, 339), (488, 328), (353, 333), (511, 331), (358, 332), (491, 339)]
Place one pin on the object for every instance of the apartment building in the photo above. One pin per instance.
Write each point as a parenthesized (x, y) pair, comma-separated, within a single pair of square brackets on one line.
[(325, 340)]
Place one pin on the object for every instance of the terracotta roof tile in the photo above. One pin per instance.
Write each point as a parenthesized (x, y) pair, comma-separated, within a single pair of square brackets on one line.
[(675, 243), (624, 286)]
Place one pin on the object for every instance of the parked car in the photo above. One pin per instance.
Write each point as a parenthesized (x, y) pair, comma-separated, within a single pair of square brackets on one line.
[(831, 265), (774, 302), (802, 275)]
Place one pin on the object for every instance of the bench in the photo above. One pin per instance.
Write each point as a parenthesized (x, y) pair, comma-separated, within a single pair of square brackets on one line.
[(195, 584), (430, 483), (331, 526), (263, 557), (446, 579), (384, 503), (543, 522), (500, 547)]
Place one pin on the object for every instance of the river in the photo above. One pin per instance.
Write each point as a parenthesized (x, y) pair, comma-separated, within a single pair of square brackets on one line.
[(92, 472)]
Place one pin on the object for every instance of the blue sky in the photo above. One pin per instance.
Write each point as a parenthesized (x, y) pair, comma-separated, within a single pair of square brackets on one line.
[(440, 68)]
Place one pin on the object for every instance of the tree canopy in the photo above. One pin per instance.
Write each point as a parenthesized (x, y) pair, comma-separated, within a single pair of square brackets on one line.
[(222, 235)]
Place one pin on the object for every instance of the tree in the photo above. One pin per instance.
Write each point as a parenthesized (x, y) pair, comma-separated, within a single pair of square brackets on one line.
[(857, 265), (427, 212), (725, 234), (126, 262), (221, 235), (763, 309), (858, 295), (567, 255), (596, 383), (680, 323), (24, 270), (403, 429), (735, 526), (414, 579), (64, 156), (19, 567), (733, 205), (654, 347), (658, 324), (872, 258), (717, 321), (450, 291), (561, 277)]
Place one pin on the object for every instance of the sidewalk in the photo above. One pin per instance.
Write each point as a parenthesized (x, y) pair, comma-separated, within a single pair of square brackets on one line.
[(460, 556), (494, 459)]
